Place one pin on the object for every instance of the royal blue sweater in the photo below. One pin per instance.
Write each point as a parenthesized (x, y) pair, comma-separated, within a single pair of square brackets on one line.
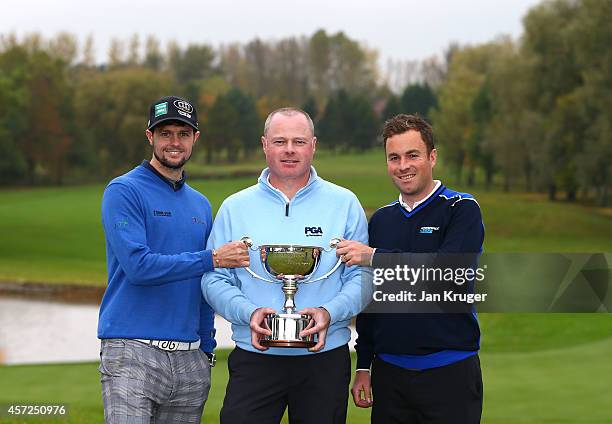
[(156, 234), (447, 222)]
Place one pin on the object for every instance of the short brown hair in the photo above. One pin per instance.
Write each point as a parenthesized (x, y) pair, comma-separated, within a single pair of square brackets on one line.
[(402, 123)]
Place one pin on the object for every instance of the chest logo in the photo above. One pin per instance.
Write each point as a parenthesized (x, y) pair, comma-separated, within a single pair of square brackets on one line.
[(197, 220), (313, 231), (162, 213), (428, 230)]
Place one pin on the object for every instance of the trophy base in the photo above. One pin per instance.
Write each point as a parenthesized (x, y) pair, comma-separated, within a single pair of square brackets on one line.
[(286, 343), (286, 330)]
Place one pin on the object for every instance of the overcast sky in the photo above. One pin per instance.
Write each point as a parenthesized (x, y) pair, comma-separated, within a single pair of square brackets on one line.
[(398, 29)]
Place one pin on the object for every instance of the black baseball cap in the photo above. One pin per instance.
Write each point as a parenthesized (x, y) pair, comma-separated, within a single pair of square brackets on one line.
[(172, 108)]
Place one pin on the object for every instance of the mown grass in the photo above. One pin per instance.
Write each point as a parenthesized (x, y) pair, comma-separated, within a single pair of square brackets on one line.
[(530, 380), (538, 368), (55, 235)]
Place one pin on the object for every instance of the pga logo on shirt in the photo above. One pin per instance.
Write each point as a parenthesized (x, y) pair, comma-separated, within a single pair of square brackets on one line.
[(313, 231)]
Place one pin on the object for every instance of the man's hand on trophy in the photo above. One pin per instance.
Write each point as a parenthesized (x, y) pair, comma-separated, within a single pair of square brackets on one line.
[(319, 323), (354, 253), (259, 327), (234, 254)]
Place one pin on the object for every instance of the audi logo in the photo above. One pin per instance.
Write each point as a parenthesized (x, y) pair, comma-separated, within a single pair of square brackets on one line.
[(183, 105)]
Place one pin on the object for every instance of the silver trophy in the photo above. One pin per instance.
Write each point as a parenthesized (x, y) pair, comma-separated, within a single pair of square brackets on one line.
[(290, 265)]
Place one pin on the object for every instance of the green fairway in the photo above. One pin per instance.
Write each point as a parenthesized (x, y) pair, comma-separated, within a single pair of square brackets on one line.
[(538, 368), (528, 380), (55, 235)]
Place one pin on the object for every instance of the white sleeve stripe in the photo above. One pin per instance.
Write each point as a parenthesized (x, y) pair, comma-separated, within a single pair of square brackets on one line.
[(460, 199)]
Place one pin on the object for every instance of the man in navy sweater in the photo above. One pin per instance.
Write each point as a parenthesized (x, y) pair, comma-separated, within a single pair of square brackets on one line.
[(424, 366), (157, 331)]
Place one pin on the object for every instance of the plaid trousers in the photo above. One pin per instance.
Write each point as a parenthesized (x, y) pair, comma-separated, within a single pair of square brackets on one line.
[(145, 384)]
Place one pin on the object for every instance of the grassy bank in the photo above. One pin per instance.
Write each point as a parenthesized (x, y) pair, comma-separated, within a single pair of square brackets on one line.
[(54, 234), (537, 369)]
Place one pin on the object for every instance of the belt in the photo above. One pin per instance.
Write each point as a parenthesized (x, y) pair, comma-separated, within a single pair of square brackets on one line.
[(172, 346)]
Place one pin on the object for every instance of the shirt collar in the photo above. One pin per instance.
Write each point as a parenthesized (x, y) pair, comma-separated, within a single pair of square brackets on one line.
[(176, 185), (404, 205), (265, 179)]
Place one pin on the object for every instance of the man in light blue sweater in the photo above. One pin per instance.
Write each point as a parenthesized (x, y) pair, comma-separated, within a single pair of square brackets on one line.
[(282, 208)]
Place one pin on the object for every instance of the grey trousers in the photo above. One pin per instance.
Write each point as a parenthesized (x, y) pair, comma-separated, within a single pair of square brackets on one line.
[(144, 384)]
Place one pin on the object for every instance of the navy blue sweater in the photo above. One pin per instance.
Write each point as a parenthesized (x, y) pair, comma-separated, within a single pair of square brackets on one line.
[(447, 222)]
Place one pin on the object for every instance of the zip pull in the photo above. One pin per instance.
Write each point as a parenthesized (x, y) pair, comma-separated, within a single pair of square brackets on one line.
[(287, 209)]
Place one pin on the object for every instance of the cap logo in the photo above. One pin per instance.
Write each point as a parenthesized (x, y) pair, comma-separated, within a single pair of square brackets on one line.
[(161, 109), (183, 105)]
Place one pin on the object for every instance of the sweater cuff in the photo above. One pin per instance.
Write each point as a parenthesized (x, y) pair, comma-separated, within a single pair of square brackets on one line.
[(246, 311), (207, 260), (331, 310), (380, 259), (364, 360)]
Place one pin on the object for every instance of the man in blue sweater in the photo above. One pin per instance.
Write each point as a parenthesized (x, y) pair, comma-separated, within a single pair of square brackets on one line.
[(157, 331), (424, 366), (288, 201)]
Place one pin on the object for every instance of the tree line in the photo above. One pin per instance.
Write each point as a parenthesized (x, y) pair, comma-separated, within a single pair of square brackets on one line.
[(532, 113), (65, 118), (538, 111)]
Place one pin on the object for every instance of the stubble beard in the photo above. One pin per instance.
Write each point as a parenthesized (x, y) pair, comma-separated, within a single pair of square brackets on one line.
[(169, 165)]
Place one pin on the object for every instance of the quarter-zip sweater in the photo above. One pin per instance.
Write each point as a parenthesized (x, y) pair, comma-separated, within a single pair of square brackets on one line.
[(317, 213), (156, 234)]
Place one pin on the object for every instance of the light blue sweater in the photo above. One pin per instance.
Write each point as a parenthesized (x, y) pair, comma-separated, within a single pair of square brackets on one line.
[(267, 216)]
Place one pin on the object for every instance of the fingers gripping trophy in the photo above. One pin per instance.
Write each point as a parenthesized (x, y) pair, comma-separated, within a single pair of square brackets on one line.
[(290, 266)]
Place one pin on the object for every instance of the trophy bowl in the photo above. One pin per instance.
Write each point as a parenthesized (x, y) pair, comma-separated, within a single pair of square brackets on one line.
[(300, 261), (290, 265)]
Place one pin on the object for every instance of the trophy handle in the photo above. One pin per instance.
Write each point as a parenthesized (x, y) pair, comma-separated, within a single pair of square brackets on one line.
[(249, 244), (327, 274), (332, 245), (253, 274)]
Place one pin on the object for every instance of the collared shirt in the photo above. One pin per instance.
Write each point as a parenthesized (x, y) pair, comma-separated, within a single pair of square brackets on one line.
[(437, 184), (176, 185), (418, 202)]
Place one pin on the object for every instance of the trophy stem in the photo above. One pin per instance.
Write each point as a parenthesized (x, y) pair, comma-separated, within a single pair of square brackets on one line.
[(289, 288)]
